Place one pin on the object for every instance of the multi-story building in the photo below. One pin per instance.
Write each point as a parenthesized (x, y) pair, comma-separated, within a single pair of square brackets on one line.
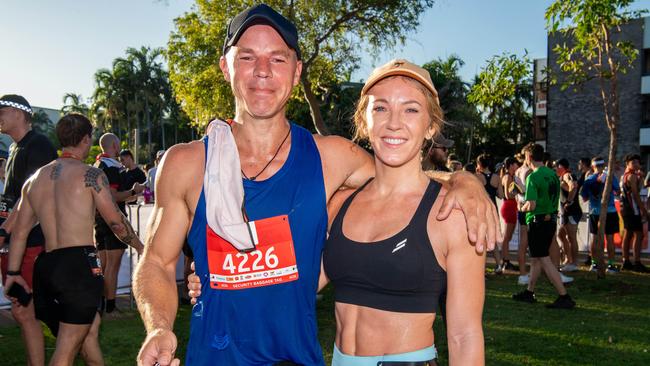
[(571, 122)]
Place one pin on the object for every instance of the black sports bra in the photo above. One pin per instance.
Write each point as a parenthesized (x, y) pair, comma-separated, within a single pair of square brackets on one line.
[(399, 274)]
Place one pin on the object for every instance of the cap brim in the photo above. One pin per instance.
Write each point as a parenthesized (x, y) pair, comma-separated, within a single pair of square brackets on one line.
[(398, 72), (444, 143), (255, 20)]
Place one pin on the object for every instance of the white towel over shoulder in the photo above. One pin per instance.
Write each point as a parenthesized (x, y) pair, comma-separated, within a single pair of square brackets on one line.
[(223, 188)]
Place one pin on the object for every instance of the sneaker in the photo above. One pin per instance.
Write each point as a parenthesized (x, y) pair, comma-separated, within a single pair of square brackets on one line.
[(566, 279), (593, 268), (588, 261), (525, 296), (498, 270), (510, 267), (569, 268), (523, 279), (627, 266), (639, 267), (611, 269), (562, 302)]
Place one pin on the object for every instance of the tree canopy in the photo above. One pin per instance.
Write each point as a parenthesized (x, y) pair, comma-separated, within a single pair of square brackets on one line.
[(332, 34), (135, 94), (503, 91)]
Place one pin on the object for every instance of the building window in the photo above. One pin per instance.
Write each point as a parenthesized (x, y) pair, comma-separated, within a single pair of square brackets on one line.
[(645, 112), (646, 62)]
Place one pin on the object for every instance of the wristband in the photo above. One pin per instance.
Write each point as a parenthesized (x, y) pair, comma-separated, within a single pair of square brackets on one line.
[(13, 273)]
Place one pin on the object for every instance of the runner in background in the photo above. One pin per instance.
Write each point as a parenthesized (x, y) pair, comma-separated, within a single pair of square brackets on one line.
[(30, 151)]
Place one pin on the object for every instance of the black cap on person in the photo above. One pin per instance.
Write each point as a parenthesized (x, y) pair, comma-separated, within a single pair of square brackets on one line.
[(15, 101), (261, 14)]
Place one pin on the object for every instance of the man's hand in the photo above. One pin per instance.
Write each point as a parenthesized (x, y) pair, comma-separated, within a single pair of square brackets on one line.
[(466, 193), (158, 349), (138, 188), (19, 280), (193, 285)]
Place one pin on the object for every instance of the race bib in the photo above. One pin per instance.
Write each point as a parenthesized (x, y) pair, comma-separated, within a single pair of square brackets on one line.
[(272, 262), (6, 206)]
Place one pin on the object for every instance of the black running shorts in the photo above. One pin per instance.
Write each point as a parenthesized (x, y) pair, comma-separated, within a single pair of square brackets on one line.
[(611, 224), (68, 286), (633, 223), (540, 236), (521, 217), (571, 219)]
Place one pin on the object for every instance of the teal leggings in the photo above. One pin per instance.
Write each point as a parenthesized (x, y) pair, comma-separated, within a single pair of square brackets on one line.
[(424, 354)]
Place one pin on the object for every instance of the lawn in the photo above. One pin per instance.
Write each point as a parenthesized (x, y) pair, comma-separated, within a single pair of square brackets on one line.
[(610, 326)]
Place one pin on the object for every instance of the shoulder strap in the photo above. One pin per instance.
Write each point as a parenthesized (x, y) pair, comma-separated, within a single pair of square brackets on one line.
[(424, 208), (337, 224), (205, 149)]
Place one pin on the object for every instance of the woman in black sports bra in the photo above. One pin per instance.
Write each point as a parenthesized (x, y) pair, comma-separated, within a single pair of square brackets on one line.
[(390, 260)]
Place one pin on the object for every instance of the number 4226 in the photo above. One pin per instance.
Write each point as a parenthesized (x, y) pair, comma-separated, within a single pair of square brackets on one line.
[(269, 259)]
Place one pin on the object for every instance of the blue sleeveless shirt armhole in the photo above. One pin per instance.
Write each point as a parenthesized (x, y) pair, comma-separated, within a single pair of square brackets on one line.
[(265, 325)]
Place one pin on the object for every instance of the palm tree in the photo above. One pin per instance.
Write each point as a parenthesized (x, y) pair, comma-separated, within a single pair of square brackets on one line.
[(148, 70), (106, 102), (73, 103), (135, 91)]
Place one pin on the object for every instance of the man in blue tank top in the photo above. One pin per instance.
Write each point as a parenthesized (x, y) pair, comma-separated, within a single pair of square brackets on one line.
[(258, 308)]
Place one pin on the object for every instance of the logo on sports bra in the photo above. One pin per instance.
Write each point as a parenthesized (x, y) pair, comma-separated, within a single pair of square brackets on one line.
[(399, 246)]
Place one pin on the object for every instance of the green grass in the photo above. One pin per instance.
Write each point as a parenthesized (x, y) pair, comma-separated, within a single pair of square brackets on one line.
[(610, 326)]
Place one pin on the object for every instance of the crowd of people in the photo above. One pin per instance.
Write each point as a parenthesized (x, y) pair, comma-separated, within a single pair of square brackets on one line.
[(512, 185), (65, 221), (585, 185), (272, 213)]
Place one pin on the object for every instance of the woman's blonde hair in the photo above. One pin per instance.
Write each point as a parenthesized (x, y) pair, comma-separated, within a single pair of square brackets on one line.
[(433, 107)]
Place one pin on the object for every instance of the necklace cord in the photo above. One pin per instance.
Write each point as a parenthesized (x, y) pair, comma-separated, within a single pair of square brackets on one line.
[(252, 178)]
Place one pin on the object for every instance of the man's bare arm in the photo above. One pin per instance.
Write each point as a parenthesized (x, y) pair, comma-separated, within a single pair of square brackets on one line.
[(345, 164), (466, 192), (25, 219), (9, 223), (109, 211), (155, 275), (572, 185), (529, 206)]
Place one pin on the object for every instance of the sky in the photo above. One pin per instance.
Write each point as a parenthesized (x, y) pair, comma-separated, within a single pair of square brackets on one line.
[(50, 48)]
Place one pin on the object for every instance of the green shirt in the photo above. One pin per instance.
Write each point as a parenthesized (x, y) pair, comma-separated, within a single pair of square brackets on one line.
[(543, 187)]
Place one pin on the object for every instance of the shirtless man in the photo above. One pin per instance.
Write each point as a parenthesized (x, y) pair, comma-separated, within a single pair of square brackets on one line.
[(110, 248), (63, 196), (291, 177)]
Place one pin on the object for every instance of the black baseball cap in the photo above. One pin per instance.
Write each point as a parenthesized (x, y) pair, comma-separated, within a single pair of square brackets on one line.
[(261, 14), (15, 101)]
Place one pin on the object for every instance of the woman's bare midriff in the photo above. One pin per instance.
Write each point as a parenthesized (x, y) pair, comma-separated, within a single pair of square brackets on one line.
[(363, 331)]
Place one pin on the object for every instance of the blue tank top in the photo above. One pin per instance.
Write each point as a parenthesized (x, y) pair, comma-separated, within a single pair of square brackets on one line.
[(269, 324)]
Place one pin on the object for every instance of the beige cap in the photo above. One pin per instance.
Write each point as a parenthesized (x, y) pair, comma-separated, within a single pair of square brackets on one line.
[(402, 68)]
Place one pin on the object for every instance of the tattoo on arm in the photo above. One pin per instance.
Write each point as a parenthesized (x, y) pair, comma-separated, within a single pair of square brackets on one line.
[(56, 171), (124, 231), (95, 179)]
